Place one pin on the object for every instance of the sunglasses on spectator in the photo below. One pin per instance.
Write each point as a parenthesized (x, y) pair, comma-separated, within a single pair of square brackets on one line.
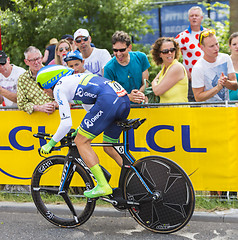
[(165, 51), (34, 59), (205, 34), (62, 49), (78, 40), (120, 50), (3, 63)]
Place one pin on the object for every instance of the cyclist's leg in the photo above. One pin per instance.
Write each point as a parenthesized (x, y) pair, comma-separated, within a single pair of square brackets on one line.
[(92, 161), (100, 117), (111, 152), (86, 152), (112, 132), (95, 121)]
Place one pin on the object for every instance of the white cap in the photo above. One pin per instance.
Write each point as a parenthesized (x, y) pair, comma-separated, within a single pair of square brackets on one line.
[(81, 32)]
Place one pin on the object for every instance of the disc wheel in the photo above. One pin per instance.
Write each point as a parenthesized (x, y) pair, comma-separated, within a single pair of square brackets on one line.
[(171, 205)]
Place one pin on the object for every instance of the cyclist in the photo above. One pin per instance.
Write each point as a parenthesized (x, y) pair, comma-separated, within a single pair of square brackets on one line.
[(110, 103)]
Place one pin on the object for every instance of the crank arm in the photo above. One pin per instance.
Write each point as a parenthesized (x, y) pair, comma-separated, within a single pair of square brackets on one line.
[(118, 203), (113, 202)]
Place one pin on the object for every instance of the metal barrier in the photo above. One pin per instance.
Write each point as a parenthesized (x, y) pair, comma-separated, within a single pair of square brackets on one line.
[(191, 104), (198, 136), (221, 196)]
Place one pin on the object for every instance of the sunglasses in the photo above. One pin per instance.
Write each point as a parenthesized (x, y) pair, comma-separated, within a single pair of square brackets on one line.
[(62, 49), (78, 40), (120, 50), (205, 34), (165, 51), (3, 63)]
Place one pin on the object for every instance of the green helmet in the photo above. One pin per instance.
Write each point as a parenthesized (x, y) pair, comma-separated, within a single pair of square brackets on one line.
[(48, 76)]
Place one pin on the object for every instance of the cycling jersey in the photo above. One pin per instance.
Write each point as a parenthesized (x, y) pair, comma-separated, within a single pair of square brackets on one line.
[(109, 99)]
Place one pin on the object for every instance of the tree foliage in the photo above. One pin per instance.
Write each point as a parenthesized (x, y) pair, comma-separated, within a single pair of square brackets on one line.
[(35, 22), (222, 28)]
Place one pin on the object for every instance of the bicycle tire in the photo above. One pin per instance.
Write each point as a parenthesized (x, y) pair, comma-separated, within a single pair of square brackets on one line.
[(174, 207), (59, 213)]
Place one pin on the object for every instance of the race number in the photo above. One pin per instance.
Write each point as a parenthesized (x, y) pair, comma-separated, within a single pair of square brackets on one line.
[(120, 91)]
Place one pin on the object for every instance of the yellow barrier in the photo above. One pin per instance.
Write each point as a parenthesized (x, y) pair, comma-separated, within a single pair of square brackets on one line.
[(203, 141)]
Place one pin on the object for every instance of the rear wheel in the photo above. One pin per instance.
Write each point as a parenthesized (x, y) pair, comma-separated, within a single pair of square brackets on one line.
[(173, 200), (69, 208)]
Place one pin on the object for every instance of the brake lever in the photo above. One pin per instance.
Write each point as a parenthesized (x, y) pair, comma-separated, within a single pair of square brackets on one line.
[(52, 149), (40, 153)]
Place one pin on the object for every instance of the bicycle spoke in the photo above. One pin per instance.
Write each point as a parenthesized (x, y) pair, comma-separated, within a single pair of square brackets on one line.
[(138, 197), (172, 178), (177, 207), (147, 176), (52, 190), (70, 205)]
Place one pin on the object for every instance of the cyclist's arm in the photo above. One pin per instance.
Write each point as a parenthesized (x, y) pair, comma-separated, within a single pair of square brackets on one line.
[(65, 116)]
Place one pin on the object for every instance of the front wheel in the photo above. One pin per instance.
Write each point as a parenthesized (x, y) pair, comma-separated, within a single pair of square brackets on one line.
[(171, 205), (68, 208)]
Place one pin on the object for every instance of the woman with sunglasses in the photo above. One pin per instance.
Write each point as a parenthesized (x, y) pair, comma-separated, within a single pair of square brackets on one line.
[(171, 83), (61, 49)]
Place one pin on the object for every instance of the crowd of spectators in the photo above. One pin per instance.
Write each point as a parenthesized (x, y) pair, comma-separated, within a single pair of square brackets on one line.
[(176, 82)]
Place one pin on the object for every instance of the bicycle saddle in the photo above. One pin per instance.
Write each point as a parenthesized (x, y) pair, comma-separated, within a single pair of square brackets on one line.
[(130, 123)]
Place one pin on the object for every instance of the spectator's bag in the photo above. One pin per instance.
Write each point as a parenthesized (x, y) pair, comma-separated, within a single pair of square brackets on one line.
[(152, 98)]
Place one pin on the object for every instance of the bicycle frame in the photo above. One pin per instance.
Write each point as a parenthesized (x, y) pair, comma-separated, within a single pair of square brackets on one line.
[(121, 148)]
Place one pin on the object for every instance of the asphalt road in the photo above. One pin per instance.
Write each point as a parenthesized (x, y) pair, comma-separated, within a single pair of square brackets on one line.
[(20, 225)]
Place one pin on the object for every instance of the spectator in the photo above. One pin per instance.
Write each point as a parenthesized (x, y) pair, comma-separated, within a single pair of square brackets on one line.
[(127, 67), (61, 49), (50, 51), (213, 74), (9, 74), (70, 39), (75, 60), (189, 44), (233, 44), (171, 83), (30, 97), (95, 58)]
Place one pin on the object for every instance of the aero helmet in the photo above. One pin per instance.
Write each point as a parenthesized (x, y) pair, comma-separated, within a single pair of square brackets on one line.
[(48, 76)]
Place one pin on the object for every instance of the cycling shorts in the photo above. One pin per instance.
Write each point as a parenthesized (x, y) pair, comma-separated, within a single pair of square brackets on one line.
[(102, 117)]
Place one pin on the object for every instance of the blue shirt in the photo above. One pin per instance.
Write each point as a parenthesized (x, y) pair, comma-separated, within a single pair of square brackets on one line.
[(234, 94), (51, 56), (129, 76)]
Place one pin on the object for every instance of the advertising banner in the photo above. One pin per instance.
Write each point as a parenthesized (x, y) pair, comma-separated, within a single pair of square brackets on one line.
[(203, 141)]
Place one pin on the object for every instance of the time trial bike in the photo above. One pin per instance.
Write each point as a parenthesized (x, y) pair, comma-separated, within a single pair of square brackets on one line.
[(155, 190)]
